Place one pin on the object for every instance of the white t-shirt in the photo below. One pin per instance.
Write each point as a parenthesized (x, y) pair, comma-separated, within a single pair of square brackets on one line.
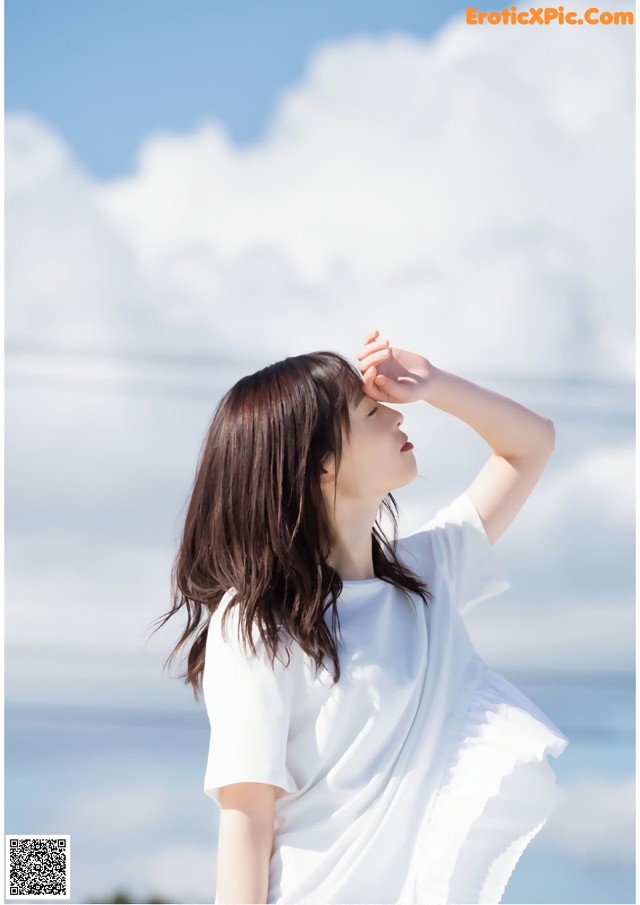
[(387, 782)]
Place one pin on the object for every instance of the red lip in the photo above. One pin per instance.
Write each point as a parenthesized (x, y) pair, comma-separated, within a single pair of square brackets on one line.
[(406, 446)]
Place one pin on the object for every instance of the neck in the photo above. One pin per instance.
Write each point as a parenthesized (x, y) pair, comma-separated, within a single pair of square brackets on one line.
[(351, 542)]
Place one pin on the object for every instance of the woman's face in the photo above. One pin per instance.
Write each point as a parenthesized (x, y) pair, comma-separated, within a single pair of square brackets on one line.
[(372, 464)]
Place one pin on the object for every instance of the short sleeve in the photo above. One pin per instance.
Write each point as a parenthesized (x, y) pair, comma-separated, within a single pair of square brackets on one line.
[(249, 707), (463, 550)]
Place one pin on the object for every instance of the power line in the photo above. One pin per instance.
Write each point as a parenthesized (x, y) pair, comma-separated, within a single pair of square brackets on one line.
[(577, 398), (110, 387), (577, 411), (186, 359), (217, 361)]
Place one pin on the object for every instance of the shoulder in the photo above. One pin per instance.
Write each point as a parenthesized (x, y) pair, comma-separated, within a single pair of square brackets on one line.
[(440, 533), (448, 519), (215, 633), (226, 639)]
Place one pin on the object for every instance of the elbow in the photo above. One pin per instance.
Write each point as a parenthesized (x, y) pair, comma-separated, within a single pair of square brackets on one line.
[(545, 444), (549, 435)]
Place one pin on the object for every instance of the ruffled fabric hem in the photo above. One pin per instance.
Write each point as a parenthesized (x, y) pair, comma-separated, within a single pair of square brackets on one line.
[(471, 837)]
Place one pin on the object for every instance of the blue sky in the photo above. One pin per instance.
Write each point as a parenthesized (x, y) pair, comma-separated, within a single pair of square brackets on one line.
[(105, 74), (220, 184)]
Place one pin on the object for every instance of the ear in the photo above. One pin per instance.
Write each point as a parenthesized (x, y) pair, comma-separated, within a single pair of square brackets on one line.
[(327, 476)]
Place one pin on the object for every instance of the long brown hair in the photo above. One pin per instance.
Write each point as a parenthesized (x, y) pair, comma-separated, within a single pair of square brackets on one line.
[(257, 520)]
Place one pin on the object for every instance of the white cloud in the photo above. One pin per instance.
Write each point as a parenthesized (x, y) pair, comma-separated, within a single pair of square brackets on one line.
[(579, 526), (559, 632), (437, 186), (70, 276), (92, 637), (85, 616), (452, 192), (447, 187)]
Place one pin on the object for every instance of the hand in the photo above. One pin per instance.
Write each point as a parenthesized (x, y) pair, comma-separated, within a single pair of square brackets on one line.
[(393, 375)]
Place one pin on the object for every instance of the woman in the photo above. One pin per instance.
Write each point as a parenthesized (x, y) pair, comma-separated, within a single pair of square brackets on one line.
[(382, 762)]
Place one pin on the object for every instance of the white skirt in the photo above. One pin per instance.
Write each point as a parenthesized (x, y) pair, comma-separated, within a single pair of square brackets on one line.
[(497, 792)]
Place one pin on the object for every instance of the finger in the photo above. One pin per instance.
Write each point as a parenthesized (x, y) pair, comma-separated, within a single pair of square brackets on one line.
[(368, 379), (372, 358), (369, 374), (372, 335), (372, 347), (375, 388)]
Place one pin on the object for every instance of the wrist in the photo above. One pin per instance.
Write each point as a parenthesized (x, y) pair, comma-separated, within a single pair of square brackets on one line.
[(433, 381)]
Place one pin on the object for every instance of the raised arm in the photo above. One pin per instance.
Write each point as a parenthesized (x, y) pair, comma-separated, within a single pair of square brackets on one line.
[(521, 440)]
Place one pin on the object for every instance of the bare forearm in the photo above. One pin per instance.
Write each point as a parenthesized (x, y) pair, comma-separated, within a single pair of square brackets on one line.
[(244, 853), (508, 427)]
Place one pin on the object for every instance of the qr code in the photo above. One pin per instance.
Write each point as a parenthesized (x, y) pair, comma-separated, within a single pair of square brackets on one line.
[(38, 867)]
